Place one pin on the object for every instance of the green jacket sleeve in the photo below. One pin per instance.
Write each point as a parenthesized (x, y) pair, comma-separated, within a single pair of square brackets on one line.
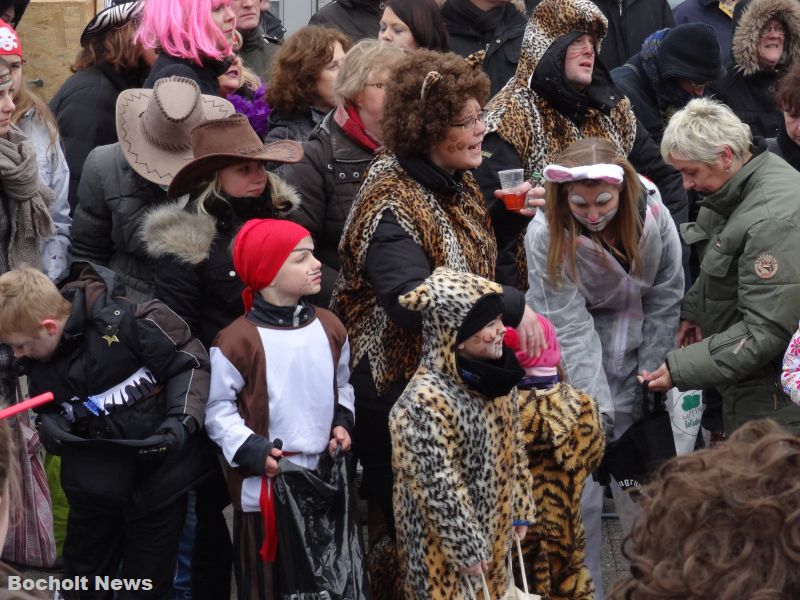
[(768, 303)]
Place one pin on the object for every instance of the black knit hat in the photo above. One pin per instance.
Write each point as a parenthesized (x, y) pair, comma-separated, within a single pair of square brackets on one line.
[(483, 312), (691, 51)]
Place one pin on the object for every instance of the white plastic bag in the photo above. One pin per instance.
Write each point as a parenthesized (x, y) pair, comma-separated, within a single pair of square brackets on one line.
[(685, 410)]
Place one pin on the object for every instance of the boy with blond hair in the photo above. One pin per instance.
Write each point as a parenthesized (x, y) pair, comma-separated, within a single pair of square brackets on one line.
[(130, 386), (280, 371)]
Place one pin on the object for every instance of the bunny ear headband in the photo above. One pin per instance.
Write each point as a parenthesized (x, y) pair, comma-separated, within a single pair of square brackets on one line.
[(612, 174)]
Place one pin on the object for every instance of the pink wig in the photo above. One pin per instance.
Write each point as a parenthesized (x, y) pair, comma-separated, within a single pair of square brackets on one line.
[(183, 28)]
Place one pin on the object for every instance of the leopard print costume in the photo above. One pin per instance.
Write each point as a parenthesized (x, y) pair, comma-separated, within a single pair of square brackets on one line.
[(564, 442), (453, 231), (528, 122), (458, 456)]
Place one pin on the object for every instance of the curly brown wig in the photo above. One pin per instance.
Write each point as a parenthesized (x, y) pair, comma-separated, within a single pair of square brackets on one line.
[(412, 125), (721, 523), (296, 66)]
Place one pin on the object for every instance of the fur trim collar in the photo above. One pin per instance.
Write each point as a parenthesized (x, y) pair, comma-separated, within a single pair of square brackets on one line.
[(171, 229), (747, 32)]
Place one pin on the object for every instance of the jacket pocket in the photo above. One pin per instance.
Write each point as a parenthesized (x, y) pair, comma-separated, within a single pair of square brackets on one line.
[(719, 270)]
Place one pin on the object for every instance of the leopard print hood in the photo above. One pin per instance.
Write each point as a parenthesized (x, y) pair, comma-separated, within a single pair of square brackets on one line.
[(750, 18), (445, 298), (551, 20)]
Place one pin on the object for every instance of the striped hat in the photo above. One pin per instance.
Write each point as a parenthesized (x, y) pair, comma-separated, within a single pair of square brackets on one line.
[(112, 17)]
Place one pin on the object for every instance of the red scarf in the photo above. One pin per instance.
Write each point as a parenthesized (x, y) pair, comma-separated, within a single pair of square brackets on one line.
[(347, 118), (269, 548)]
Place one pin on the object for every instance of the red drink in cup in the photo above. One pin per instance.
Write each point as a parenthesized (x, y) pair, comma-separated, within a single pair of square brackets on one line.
[(511, 179)]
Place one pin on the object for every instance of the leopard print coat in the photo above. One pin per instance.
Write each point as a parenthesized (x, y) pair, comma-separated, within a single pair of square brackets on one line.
[(458, 456), (564, 442), (527, 121), (455, 232)]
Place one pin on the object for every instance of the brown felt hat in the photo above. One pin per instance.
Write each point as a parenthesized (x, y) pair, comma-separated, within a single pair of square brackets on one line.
[(154, 126), (220, 142)]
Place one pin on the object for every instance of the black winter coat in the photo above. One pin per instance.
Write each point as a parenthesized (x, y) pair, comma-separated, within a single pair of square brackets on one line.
[(786, 148), (294, 126), (193, 266), (502, 44), (107, 345), (107, 220), (357, 19), (628, 30), (85, 107), (327, 179), (205, 76), (707, 11), (632, 81), (752, 99)]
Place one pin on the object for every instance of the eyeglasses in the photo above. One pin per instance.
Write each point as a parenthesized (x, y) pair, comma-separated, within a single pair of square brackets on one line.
[(773, 29), (471, 121), (378, 84)]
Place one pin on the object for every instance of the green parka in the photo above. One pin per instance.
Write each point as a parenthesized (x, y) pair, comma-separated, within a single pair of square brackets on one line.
[(747, 296)]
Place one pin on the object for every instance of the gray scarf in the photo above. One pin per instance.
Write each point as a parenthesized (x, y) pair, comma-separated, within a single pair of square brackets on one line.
[(28, 200)]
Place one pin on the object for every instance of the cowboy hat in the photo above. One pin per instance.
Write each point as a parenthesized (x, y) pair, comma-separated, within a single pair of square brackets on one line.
[(218, 143), (154, 126)]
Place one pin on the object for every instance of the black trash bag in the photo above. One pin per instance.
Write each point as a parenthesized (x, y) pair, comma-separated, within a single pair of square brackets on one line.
[(320, 547), (644, 445)]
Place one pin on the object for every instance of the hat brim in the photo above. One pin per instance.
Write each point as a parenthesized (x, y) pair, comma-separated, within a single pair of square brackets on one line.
[(151, 162), (198, 171)]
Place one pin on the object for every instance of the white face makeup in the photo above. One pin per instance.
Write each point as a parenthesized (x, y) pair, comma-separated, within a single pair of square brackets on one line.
[(593, 206)]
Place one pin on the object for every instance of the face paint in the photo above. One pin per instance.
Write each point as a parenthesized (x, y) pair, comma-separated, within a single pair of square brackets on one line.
[(601, 222)]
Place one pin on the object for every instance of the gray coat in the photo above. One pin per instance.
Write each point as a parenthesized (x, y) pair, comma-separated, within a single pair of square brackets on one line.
[(611, 324)]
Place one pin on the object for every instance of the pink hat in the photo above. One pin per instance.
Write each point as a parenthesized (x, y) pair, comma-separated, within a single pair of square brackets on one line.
[(549, 358)]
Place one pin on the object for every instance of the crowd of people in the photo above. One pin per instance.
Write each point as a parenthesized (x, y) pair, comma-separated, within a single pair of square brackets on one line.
[(225, 249)]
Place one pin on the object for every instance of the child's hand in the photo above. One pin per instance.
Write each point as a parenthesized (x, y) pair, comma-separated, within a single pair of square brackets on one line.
[(476, 569), (271, 465), (339, 437), (521, 530)]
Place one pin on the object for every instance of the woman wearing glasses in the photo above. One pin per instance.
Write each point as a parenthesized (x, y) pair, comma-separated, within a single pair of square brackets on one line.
[(766, 43), (418, 208), (338, 153)]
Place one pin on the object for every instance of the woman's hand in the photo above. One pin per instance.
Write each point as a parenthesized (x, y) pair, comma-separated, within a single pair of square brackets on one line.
[(339, 437), (534, 197), (476, 569), (521, 531), (271, 464), (688, 333), (659, 380), (532, 340)]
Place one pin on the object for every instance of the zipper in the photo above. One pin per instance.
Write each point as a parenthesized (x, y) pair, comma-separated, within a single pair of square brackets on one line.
[(741, 343)]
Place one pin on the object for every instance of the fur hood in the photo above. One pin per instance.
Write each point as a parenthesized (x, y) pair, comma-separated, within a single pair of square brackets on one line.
[(445, 299), (750, 17), (552, 19), (171, 229)]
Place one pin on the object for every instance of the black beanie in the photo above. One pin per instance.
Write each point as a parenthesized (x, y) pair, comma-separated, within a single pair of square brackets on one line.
[(690, 51), (483, 312)]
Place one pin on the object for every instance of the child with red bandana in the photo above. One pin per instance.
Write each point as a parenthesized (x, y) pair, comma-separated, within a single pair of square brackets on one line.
[(278, 372)]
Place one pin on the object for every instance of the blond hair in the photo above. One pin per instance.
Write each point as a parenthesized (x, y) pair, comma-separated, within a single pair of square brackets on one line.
[(28, 297), (361, 63)]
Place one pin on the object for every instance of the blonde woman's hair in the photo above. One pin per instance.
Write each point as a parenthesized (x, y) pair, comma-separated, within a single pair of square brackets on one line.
[(28, 297), (702, 130), (360, 64), (27, 99), (626, 226)]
